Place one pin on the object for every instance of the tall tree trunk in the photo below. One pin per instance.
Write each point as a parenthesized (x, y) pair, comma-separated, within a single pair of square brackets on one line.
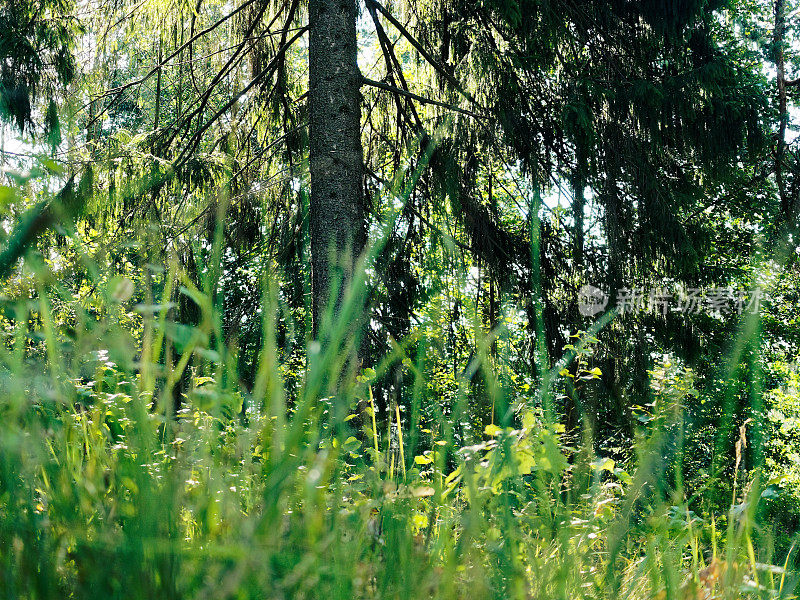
[(783, 117), (336, 157), (157, 116), (578, 207)]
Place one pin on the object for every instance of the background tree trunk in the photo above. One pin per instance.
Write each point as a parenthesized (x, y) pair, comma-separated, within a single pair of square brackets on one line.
[(336, 157), (780, 67)]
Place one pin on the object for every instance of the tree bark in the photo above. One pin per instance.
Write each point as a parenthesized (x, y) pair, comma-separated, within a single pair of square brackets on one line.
[(158, 85), (783, 117), (336, 158)]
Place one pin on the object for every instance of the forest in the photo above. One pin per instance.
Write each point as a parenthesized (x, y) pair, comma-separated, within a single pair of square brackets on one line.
[(360, 299)]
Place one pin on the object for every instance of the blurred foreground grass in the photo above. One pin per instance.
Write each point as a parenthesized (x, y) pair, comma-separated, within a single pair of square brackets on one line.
[(104, 493)]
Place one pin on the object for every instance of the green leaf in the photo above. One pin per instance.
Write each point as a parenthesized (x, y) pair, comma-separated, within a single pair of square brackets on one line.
[(492, 430), (351, 444), (8, 195), (603, 464)]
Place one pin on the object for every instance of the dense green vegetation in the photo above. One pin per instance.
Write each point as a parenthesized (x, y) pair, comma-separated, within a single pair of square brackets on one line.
[(329, 299)]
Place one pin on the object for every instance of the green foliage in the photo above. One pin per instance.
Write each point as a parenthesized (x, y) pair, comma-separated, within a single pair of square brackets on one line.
[(104, 497), (105, 491), (169, 428), (37, 41)]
